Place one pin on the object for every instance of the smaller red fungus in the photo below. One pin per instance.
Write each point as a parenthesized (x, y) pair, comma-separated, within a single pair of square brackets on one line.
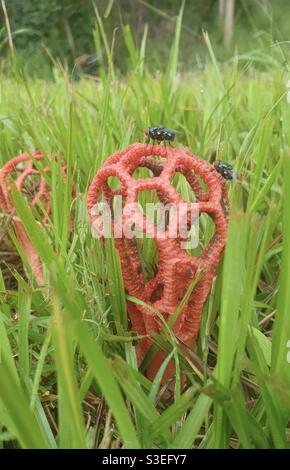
[(176, 268), (32, 184)]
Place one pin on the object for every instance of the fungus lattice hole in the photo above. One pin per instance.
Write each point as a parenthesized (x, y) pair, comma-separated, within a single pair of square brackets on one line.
[(206, 232), (117, 204), (31, 186), (112, 187), (147, 199), (114, 183), (34, 190), (190, 240), (148, 254), (196, 183), (155, 164), (157, 159), (183, 187), (202, 184), (142, 173), (199, 180)]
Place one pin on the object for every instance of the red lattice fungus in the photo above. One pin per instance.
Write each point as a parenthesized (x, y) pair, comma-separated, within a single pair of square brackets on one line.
[(176, 268), (32, 184)]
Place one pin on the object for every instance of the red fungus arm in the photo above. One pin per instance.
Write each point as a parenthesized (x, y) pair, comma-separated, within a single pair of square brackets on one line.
[(22, 171)]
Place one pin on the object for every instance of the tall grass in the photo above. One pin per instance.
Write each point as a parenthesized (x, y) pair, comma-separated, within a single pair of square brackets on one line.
[(68, 371)]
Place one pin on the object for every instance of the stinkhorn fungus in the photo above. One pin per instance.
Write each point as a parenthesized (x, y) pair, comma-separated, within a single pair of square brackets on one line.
[(177, 270), (32, 184)]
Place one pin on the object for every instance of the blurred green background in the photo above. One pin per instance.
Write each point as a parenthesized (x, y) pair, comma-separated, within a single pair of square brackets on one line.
[(47, 30)]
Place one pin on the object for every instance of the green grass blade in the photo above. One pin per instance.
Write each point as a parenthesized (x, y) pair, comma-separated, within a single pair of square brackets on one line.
[(281, 333)]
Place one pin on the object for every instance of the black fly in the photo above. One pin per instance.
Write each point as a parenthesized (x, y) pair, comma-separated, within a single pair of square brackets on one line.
[(225, 169), (159, 133)]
